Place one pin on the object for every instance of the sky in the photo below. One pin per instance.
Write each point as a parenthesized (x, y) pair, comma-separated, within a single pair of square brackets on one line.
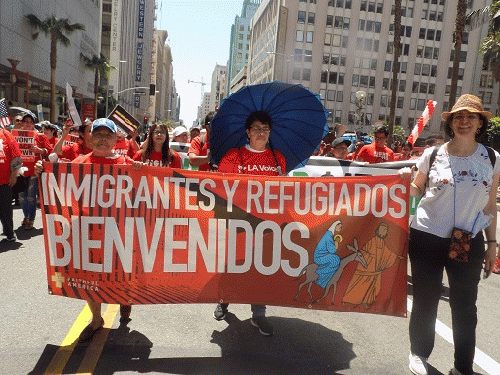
[(199, 36)]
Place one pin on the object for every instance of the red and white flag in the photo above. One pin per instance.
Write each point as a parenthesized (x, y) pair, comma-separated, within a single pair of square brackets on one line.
[(419, 126), (5, 119)]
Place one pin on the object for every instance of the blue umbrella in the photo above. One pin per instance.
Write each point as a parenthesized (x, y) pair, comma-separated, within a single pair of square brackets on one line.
[(299, 121)]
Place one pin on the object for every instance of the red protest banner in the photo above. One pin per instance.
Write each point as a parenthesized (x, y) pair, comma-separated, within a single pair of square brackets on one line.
[(160, 235), (26, 141)]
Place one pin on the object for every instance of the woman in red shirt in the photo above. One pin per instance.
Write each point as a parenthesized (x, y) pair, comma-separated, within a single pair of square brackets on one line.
[(157, 151), (257, 158)]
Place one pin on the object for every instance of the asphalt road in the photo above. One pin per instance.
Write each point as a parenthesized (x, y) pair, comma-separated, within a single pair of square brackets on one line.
[(37, 333)]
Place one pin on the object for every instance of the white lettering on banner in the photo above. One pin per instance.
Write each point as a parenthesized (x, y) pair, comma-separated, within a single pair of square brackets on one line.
[(213, 249), (192, 194)]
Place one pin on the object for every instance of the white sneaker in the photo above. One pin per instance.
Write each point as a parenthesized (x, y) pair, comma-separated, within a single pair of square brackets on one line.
[(418, 365)]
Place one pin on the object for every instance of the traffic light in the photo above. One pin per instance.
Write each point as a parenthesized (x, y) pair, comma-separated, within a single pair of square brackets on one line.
[(152, 89), (146, 120)]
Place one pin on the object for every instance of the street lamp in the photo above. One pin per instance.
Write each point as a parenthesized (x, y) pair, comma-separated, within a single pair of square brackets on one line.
[(360, 98)]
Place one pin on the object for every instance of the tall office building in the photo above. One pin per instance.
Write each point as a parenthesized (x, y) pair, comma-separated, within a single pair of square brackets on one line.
[(24, 62), (218, 87), (338, 47), (240, 42), (127, 42)]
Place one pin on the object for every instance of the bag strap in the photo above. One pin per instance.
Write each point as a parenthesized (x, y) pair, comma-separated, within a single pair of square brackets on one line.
[(491, 154)]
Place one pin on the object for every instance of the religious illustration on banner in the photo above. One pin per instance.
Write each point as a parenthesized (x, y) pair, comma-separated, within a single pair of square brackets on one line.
[(161, 235)]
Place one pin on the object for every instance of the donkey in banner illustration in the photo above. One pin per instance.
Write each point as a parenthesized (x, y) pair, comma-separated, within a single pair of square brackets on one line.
[(312, 276)]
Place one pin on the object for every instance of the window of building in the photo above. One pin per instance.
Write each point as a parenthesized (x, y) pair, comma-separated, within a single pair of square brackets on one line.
[(368, 44), (369, 26), (385, 84), (414, 87), (378, 27), (413, 105), (420, 51), (345, 41), (301, 17), (423, 88), (402, 85), (487, 97), (340, 96), (432, 15), (331, 95), (371, 7), (404, 67), (329, 21), (387, 66), (335, 60), (311, 16), (348, 4), (426, 69), (424, 14), (326, 58), (340, 80), (438, 35), (417, 69), (339, 22), (307, 55), (380, 8), (434, 71), (440, 17), (324, 75), (306, 74), (328, 39), (362, 6), (411, 122), (342, 60), (355, 80), (296, 74), (400, 102), (300, 36), (373, 64), (390, 47), (309, 36), (435, 54), (332, 78), (336, 40), (383, 100), (420, 104), (361, 25), (432, 88), (363, 81), (421, 34), (371, 83), (430, 34), (322, 94)]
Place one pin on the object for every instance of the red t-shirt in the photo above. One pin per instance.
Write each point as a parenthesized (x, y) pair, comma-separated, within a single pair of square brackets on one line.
[(30, 158), (197, 149), (72, 151), (373, 154), (252, 162), (155, 159), (9, 149), (91, 159), (52, 143), (124, 147)]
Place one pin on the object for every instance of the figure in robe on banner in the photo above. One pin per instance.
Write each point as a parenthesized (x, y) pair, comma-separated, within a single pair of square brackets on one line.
[(325, 254), (366, 282)]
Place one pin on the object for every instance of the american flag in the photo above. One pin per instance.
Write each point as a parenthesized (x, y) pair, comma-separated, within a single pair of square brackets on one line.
[(4, 115)]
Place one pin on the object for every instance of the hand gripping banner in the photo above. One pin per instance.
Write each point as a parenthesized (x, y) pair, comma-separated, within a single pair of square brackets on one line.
[(159, 235)]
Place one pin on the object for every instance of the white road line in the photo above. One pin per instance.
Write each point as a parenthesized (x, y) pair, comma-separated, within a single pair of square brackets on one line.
[(481, 359)]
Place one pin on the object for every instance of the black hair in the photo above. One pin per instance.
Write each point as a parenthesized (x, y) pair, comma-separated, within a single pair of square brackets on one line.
[(381, 129), (209, 117), (166, 155), (260, 116)]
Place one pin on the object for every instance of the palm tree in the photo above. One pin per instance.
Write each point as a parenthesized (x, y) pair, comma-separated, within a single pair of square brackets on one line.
[(395, 66), (490, 47), (457, 38), (57, 30), (101, 68)]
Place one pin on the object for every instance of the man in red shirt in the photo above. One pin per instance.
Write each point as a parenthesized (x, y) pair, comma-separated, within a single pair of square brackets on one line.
[(102, 141), (377, 152), (199, 152), (10, 163)]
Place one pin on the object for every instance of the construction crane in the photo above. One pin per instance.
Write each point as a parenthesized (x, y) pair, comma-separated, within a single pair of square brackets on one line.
[(203, 84)]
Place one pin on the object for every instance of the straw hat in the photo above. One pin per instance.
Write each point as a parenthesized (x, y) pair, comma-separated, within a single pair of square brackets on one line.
[(469, 103)]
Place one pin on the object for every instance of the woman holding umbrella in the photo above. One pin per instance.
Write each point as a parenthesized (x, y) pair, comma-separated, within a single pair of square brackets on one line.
[(256, 158)]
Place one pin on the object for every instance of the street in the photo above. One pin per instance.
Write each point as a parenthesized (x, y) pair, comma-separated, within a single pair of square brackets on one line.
[(38, 332)]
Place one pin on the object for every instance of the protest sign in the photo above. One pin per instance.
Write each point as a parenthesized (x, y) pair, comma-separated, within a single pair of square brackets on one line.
[(26, 141), (161, 235), (124, 120)]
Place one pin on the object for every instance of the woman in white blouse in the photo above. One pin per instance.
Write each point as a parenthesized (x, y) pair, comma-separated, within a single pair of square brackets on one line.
[(458, 184)]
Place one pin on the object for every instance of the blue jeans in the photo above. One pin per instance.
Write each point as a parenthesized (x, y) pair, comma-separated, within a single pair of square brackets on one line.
[(429, 258), (27, 198)]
